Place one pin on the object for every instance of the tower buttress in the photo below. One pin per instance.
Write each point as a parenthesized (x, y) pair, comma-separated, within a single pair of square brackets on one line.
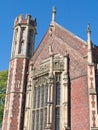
[(22, 51), (92, 86)]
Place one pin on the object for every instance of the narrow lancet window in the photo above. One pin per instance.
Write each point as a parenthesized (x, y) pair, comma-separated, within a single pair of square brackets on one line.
[(34, 99), (42, 96), (38, 96), (21, 47), (57, 89), (57, 109), (57, 119)]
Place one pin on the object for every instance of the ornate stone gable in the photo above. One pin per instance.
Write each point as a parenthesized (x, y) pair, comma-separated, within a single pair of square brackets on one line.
[(44, 67)]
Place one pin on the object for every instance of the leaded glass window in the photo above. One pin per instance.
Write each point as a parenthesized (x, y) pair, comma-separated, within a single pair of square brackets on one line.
[(33, 120), (46, 94), (41, 119), (37, 120), (57, 102), (57, 119), (39, 114), (58, 93), (38, 96), (34, 99), (42, 96), (45, 116)]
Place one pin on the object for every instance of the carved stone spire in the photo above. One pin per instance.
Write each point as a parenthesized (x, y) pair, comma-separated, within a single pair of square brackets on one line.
[(53, 14), (89, 33)]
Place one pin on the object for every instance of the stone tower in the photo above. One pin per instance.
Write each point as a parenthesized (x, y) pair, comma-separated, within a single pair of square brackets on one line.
[(22, 51)]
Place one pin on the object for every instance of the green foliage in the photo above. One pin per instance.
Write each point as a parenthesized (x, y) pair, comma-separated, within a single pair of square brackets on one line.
[(3, 84)]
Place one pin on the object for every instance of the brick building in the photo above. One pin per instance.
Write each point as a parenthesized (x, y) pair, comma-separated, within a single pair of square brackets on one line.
[(54, 87)]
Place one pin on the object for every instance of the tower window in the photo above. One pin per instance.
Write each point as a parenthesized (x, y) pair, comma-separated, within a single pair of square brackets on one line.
[(21, 47), (23, 34), (14, 49), (16, 35), (29, 49)]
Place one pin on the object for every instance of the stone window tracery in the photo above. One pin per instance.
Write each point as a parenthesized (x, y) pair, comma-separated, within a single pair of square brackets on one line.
[(39, 112), (46, 94)]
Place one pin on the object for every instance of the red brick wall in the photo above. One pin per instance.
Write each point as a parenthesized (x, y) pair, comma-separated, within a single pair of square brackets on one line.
[(80, 104)]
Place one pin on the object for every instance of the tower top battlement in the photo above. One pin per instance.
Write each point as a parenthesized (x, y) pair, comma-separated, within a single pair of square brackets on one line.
[(25, 20)]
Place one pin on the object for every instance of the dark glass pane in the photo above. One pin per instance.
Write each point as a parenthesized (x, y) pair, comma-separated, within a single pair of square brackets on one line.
[(41, 120), (57, 119), (33, 120), (46, 95), (34, 100), (37, 120), (45, 118), (38, 101), (57, 93), (42, 96)]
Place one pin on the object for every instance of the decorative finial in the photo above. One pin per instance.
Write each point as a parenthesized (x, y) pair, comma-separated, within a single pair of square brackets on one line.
[(90, 60), (66, 54), (88, 28), (89, 32), (53, 14)]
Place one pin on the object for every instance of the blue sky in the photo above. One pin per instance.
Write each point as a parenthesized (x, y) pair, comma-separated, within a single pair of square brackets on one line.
[(73, 15)]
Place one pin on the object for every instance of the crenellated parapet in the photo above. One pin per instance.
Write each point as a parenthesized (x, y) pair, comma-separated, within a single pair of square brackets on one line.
[(28, 20)]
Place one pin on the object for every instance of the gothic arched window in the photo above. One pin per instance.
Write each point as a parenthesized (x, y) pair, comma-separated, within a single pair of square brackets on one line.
[(39, 111)]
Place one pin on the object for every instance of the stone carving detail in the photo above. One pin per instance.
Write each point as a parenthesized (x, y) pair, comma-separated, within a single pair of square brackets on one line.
[(58, 64), (41, 70), (44, 68), (17, 84), (40, 81)]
